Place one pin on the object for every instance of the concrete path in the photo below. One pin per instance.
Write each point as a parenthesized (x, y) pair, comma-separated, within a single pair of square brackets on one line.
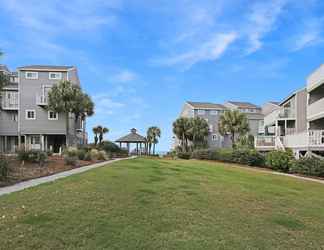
[(35, 182)]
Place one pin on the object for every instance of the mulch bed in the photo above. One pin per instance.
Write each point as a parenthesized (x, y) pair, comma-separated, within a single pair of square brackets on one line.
[(21, 172)]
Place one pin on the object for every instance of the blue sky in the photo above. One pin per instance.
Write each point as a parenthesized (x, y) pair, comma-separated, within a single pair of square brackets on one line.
[(141, 59)]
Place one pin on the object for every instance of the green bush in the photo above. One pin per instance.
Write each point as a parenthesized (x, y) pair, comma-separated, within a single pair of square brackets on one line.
[(202, 154), (34, 156), (308, 166), (109, 146), (81, 153), (71, 160), (223, 154), (71, 152), (87, 156), (279, 160), (4, 168), (247, 156), (184, 155)]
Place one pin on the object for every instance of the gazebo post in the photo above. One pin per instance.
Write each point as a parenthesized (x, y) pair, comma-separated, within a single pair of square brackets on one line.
[(140, 148), (120, 145), (136, 148), (128, 148)]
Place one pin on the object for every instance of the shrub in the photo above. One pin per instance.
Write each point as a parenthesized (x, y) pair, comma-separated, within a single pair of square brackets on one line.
[(71, 160), (87, 156), (109, 146), (71, 152), (94, 153), (224, 154), (279, 160), (102, 155), (34, 156), (184, 155), (247, 156), (81, 153), (308, 166), (202, 154), (4, 168)]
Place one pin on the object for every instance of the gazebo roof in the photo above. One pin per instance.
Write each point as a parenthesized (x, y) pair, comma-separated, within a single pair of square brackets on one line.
[(132, 137)]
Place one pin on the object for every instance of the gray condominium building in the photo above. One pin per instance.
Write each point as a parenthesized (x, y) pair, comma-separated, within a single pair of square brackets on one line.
[(24, 119), (211, 112)]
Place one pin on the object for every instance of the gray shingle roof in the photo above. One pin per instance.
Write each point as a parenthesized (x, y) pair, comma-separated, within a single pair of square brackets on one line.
[(244, 105), (206, 105), (275, 103), (132, 137), (4, 68), (45, 67)]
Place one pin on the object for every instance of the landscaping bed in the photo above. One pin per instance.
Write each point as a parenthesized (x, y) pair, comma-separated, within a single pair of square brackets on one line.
[(19, 171)]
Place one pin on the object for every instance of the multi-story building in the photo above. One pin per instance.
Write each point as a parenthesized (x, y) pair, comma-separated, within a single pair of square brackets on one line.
[(211, 112), (24, 118), (298, 123), (252, 112)]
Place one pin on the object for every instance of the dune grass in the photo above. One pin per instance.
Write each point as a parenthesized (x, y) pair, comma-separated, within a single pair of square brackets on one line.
[(165, 204)]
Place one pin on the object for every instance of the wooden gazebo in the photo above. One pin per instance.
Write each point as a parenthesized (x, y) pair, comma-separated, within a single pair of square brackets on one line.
[(134, 138)]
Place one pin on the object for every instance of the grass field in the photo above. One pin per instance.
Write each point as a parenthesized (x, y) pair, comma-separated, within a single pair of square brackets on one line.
[(162, 204)]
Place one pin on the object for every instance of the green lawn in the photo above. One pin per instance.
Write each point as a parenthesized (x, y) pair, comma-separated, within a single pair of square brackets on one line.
[(162, 204)]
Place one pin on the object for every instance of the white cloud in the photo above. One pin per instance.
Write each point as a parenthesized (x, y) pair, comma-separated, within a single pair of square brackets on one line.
[(309, 35), (261, 20), (124, 76), (211, 50), (105, 105)]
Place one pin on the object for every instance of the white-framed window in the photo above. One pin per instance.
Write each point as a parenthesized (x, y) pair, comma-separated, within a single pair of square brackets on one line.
[(30, 114), (35, 139), (210, 127), (31, 75), (214, 112), (52, 115), (55, 75), (214, 137), (201, 112)]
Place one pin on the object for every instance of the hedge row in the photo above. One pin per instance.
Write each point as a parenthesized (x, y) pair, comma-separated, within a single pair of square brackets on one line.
[(282, 161)]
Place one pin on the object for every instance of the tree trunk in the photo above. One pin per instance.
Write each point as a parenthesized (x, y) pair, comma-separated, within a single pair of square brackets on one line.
[(153, 148), (67, 123), (83, 130), (233, 139)]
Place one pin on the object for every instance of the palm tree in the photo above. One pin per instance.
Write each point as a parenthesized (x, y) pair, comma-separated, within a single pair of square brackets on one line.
[(199, 131), (153, 133), (82, 108), (149, 140), (181, 128), (102, 131), (96, 132), (63, 98), (234, 123)]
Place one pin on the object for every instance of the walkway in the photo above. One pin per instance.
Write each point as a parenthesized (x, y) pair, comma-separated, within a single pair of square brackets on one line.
[(35, 182)]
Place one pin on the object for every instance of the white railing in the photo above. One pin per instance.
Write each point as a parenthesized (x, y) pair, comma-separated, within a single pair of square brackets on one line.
[(296, 140), (265, 142), (41, 99), (316, 137), (9, 104), (290, 131)]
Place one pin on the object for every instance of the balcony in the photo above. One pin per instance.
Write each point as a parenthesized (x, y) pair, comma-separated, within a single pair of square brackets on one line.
[(315, 110), (265, 142), (287, 113), (9, 104), (41, 100), (316, 138)]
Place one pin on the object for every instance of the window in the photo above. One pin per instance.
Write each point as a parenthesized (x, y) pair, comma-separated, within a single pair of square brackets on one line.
[(52, 115), (14, 117), (30, 115), (214, 112), (35, 139), (210, 127), (55, 76), (201, 111), (31, 75), (214, 137)]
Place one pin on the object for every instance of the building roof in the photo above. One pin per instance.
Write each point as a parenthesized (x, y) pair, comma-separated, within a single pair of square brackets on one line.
[(206, 105), (4, 68), (45, 67), (275, 103), (132, 137), (244, 105), (291, 95)]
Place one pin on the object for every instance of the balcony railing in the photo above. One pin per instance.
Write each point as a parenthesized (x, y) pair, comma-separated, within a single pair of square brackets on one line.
[(41, 100), (9, 104), (316, 137), (287, 113), (265, 142)]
